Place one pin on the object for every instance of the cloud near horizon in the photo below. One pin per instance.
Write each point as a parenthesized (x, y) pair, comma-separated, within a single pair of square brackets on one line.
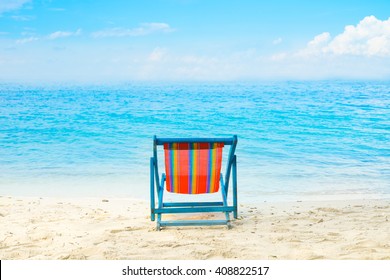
[(62, 34), (51, 36), (359, 52), (27, 40), (142, 30), (370, 37)]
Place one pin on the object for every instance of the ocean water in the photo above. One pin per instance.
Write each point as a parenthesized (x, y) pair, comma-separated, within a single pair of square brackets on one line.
[(297, 140)]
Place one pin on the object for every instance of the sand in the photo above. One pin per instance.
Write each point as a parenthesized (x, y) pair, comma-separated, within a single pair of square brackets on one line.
[(113, 228)]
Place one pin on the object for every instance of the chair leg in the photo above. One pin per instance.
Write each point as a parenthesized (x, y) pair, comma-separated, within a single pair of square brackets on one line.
[(158, 221), (160, 202), (235, 212), (158, 227), (160, 195), (229, 225), (152, 201), (224, 199)]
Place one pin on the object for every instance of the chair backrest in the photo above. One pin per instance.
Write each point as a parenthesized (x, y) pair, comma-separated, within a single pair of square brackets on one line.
[(193, 168), (193, 165)]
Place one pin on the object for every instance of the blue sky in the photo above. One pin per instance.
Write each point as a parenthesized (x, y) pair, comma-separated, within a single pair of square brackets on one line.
[(193, 40)]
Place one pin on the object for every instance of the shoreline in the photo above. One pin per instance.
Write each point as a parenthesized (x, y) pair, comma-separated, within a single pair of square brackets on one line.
[(108, 228)]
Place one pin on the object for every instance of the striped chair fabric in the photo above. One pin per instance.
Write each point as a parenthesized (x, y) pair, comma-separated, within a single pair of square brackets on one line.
[(193, 168)]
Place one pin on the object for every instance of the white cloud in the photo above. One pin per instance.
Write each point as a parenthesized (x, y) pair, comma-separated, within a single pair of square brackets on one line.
[(144, 29), (370, 37), (361, 51), (9, 5), (279, 56), (55, 35), (62, 34), (57, 9), (277, 41), (27, 40), (350, 58), (320, 40), (157, 55), (23, 18), (316, 46)]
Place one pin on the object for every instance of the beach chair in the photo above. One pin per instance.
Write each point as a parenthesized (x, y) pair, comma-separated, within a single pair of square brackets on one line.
[(193, 167)]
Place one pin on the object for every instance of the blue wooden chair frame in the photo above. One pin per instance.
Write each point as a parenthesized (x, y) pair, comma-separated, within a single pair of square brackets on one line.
[(157, 187)]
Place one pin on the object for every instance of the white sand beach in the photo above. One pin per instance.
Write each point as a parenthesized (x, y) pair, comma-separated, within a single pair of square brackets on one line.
[(112, 228)]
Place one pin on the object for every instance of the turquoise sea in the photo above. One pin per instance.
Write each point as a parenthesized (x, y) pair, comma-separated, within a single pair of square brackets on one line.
[(297, 140)]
